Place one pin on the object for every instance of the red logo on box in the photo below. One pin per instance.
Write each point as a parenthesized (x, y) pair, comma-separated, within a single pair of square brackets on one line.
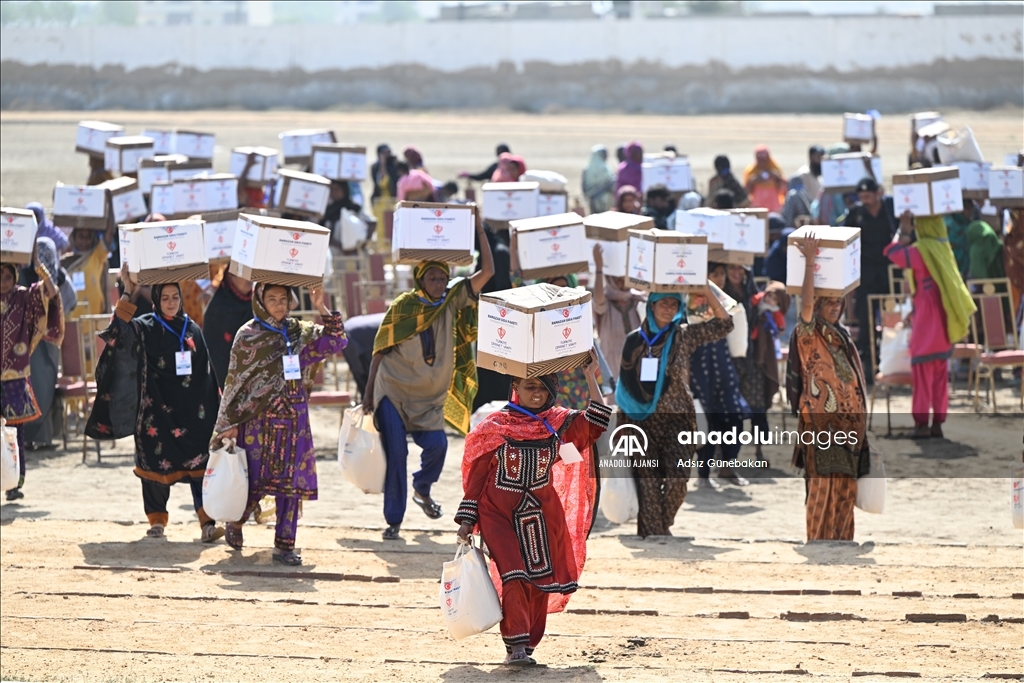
[(681, 263), (296, 235), (502, 312), (10, 219), (565, 312), (438, 229), (448, 585), (9, 232), (172, 245), (294, 252), (501, 333), (817, 267), (169, 229), (438, 212), (556, 246), (566, 332)]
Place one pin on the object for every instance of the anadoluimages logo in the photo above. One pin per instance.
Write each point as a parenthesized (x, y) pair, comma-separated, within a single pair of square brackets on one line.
[(625, 440)]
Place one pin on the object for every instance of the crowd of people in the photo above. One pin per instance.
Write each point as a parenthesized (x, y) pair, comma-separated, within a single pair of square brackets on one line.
[(190, 367)]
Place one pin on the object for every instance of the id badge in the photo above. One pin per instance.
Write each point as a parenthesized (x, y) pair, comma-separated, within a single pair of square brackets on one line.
[(649, 369), (78, 281), (291, 367), (183, 362), (778, 349), (569, 453)]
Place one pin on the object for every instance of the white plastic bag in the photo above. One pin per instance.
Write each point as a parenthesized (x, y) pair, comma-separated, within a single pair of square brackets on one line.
[(226, 484), (9, 464), (871, 489), (1017, 496), (738, 338), (485, 411), (894, 351), (469, 602), (352, 229), (961, 146), (619, 503), (360, 452)]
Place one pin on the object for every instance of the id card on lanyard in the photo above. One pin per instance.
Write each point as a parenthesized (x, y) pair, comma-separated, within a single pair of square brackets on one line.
[(649, 364), (290, 361), (182, 357), (566, 451)]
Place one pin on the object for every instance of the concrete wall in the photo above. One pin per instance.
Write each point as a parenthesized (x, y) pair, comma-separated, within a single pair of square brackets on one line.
[(694, 64)]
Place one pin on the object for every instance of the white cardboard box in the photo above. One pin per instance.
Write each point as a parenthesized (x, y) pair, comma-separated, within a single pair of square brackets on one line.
[(611, 230), (92, 136), (428, 231), (747, 231), (182, 168), (837, 266), (551, 203), (549, 246), (710, 223), (510, 201), (165, 251), (675, 174), (182, 198), (534, 330), (928, 191), (612, 253), (1006, 185), (80, 206), (667, 261), (149, 174), (302, 193), (858, 128), (17, 235), (297, 145), (123, 153), (161, 198), (219, 233), (163, 140), (842, 172), (974, 175), (128, 204), (264, 168), (339, 161), (193, 144), (279, 251)]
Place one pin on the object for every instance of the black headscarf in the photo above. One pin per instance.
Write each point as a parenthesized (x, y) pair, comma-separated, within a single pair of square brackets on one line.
[(550, 383)]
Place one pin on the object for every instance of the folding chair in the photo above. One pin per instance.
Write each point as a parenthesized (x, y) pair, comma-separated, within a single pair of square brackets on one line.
[(374, 296), (90, 348), (1000, 350), (890, 306), (897, 283)]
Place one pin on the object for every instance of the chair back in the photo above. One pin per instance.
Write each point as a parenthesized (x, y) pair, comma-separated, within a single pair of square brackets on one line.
[(353, 305), (376, 272), (993, 298), (897, 282), (72, 353)]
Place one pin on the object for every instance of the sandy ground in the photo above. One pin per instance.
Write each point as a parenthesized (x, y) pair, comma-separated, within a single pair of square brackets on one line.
[(734, 596), (36, 148)]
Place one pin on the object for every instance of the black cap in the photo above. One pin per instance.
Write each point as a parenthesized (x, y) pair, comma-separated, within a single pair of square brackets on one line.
[(816, 149), (867, 185)]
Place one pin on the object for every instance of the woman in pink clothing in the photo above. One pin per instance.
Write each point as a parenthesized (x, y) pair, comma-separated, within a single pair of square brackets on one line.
[(942, 310), (414, 184)]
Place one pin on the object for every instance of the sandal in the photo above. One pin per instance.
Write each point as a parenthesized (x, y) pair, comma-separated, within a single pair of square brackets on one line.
[(430, 509), (155, 531), (287, 557), (519, 659), (211, 532), (233, 536), (392, 533), (14, 494)]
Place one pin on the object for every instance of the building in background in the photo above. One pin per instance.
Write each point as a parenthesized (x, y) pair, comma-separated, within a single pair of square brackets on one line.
[(212, 13)]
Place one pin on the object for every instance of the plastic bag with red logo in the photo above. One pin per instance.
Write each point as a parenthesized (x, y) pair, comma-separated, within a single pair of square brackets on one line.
[(226, 483), (469, 602)]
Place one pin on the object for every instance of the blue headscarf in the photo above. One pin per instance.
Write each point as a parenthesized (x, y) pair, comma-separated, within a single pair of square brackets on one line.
[(629, 404)]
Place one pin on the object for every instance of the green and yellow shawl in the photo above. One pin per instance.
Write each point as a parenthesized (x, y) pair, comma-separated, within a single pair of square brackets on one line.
[(412, 313), (933, 243)]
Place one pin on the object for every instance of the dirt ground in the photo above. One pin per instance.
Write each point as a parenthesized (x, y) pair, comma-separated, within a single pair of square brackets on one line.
[(930, 589), (37, 148)]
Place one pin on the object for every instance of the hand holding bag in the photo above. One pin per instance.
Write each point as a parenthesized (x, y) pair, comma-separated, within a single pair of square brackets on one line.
[(360, 452), (469, 602)]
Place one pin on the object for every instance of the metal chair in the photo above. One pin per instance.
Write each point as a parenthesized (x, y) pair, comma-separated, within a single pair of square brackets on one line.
[(891, 315), (999, 347)]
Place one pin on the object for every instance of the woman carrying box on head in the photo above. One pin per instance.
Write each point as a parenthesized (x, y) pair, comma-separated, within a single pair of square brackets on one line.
[(176, 395), (653, 394), (423, 376), (825, 386), (265, 406), (530, 486), (29, 315)]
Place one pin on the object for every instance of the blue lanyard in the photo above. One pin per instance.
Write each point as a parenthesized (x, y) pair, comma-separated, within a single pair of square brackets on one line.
[(652, 342), (526, 412), (280, 330), (433, 304), (184, 328)]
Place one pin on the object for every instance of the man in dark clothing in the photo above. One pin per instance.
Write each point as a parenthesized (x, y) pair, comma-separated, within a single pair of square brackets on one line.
[(874, 215), (660, 206), (725, 180), (485, 175), (384, 173)]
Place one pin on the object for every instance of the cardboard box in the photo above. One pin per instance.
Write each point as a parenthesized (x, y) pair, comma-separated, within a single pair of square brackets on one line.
[(710, 223), (535, 330), (184, 198), (611, 230), (80, 206), (549, 246), (923, 119), (510, 201), (301, 193), (858, 128), (124, 152), (667, 261), (280, 251), (91, 137), (1006, 186), (842, 172), (837, 266), (748, 231), (429, 231), (126, 201), (219, 234), (339, 161), (193, 144), (262, 171), (182, 168), (155, 170), (674, 173), (731, 257), (163, 140), (164, 251), (17, 235), (551, 203), (928, 191), (297, 145), (974, 178)]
